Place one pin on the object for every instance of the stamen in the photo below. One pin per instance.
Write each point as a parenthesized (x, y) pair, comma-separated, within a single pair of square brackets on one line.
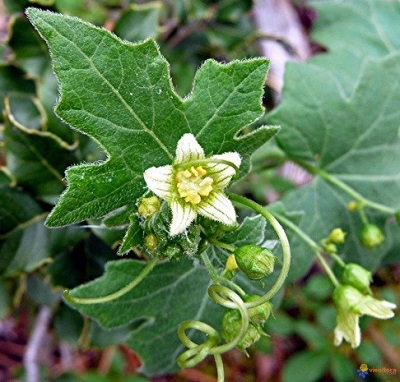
[(192, 185)]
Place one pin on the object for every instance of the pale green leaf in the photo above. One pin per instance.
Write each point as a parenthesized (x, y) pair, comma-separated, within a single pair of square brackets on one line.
[(353, 31), (353, 138)]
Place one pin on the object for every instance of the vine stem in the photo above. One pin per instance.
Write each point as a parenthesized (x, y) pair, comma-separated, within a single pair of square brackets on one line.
[(216, 278), (346, 188), (284, 242), (312, 244), (98, 300)]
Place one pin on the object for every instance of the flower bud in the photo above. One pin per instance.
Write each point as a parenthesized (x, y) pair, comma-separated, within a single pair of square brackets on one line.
[(371, 236), (346, 298), (330, 248), (357, 276), (231, 324), (231, 264), (352, 206), (259, 314), (150, 242), (255, 261), (337, 236), (149, 206)]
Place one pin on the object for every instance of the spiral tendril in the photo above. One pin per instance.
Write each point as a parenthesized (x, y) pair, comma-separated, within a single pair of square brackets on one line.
[(228, 298)]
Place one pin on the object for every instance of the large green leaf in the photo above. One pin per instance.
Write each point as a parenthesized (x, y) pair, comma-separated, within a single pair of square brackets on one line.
[(163, 299), (354, 30), (352, 138), (121, 95)]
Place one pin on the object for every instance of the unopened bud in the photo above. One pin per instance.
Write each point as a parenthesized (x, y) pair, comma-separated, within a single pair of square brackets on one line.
[(260, 313), (357, 276), (352, 206), (330, 248), (149, 206), (150, 242), (347, 298), (255, 261), (337, 236), (231, 264), (371, 236), (231, 325)]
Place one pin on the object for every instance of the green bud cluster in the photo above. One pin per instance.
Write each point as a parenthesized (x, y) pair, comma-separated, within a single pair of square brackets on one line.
[(371, 236), (158, 243), (337, 236), (254, 261)]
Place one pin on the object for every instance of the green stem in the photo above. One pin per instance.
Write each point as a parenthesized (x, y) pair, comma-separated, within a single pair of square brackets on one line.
[(220, 367), (344, 187), (210, 268), (98, 300), (337, 259), (327, 269), (284, 242), (293, 227), (311, 243), (218, 279), (217, 243)]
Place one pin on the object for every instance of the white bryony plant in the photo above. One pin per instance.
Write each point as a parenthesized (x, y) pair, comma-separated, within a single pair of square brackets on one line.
[(351, 304), (193, 185)]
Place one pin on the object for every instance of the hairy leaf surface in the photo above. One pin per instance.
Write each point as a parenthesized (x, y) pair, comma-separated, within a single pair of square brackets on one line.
[(121, 95)]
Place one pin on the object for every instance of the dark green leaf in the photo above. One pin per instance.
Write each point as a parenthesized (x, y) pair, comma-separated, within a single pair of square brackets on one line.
[(110, 90), (160, 303)]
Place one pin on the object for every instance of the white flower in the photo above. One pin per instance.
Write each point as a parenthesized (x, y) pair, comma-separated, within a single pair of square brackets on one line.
[(350, 305), (193, 185)]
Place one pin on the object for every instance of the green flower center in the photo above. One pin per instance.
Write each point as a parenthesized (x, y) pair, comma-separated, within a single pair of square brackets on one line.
[(193, 184)]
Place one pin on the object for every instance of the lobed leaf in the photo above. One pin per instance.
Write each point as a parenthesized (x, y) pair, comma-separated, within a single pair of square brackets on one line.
[(121, 95)]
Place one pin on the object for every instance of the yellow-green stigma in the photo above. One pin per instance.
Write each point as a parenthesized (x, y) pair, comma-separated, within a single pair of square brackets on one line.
[(193, 184)]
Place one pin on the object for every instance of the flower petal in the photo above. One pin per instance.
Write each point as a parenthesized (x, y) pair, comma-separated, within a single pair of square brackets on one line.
[(376, 308), (223, 173), (218, 207), (159, 180), (188, 149), (347, 327), (182, 216)]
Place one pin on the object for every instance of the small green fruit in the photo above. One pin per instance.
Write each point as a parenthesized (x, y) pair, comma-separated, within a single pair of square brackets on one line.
[(259, 314), (358, 277), (371, 236), (255, 261), (231, 324)]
